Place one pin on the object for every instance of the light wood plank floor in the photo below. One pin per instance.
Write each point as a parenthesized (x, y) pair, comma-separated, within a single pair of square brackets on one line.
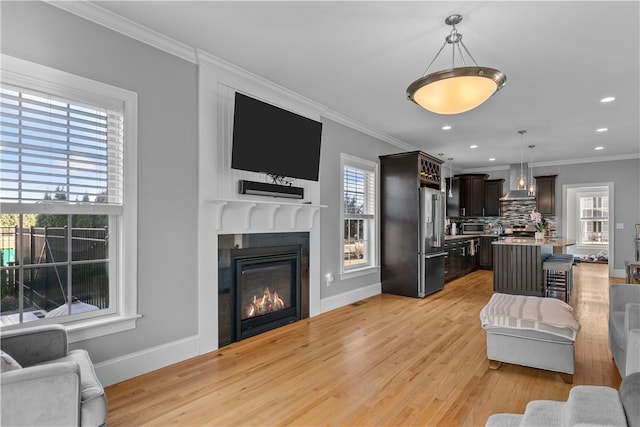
[(387, 361)]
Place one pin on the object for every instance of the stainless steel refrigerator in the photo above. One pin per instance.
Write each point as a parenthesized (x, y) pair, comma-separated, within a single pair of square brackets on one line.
[(431, 252)]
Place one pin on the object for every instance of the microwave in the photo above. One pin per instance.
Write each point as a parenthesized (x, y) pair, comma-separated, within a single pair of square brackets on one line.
[(472, 228)]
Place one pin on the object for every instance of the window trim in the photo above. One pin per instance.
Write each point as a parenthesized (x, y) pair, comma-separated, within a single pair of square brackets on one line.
[(372, 267), (18, 72)]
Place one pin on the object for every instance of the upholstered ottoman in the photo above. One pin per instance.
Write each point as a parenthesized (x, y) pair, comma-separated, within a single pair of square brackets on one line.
[(530, 331)]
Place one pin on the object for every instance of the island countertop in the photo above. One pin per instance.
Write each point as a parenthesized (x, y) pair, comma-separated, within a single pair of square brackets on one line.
[(529, 241)]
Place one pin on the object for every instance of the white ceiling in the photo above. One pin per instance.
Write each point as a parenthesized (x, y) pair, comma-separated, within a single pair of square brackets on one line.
[(358, 58)]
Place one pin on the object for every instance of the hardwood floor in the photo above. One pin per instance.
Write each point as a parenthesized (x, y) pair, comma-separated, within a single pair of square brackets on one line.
[(388, 360)]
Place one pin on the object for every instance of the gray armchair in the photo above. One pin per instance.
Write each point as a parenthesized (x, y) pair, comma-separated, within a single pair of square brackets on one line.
[(44, 384), (624, 327)]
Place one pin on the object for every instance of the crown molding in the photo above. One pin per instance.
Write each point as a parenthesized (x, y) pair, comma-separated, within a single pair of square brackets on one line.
[(487, 169), (344, 120), (559, 163), (588, 160), (119, 24), (219, 65)]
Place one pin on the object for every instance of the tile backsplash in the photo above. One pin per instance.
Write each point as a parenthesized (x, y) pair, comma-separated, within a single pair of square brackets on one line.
[(514, 212)]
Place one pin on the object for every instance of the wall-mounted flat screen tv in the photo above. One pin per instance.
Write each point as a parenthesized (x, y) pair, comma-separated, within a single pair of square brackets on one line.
[(275, 141)]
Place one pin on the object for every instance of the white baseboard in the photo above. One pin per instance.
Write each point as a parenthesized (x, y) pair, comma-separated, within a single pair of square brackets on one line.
[(619, 272), (331, 303), (131, 365)]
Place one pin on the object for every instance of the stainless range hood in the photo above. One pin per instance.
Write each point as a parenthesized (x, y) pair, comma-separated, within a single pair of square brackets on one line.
[(517, 195), (514, 193)]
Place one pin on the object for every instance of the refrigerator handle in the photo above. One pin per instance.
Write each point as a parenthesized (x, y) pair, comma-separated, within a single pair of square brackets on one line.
[(438, 223), (435, 255)]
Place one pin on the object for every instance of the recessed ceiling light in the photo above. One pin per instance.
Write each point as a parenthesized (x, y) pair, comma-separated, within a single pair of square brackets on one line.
[(446, 127), (473, 146), (599, 148), (492, 159), (608, 99), (602, 130)]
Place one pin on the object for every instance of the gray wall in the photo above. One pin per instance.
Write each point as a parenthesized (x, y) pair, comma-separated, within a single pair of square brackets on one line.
[(167, 166), (625, 174)]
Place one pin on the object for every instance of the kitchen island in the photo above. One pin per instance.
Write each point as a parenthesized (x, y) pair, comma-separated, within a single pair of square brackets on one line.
[(517, 263)]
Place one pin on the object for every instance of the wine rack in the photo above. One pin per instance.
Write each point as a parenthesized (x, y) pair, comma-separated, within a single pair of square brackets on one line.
[(429, 169)]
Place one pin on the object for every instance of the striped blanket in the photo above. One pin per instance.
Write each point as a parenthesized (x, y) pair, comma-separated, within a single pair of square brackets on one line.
[(548, 315)]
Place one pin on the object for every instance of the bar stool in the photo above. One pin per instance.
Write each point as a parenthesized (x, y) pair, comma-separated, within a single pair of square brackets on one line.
[(563, 257), (558, 275)]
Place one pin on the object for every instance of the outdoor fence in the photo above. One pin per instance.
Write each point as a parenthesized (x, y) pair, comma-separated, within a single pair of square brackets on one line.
[(45, 258)]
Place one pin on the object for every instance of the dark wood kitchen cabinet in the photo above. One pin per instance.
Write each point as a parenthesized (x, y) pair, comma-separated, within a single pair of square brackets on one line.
[(453, 197), (492, 194), (401, 176), (485, 255), (546, 194), (460, 258), (472, 192)]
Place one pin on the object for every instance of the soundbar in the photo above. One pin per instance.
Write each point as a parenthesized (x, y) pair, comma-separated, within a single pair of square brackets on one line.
[(266, 189)]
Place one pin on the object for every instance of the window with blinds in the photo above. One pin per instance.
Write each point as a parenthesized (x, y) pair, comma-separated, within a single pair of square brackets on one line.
[(358, 213), (62, 200), (56, 149)]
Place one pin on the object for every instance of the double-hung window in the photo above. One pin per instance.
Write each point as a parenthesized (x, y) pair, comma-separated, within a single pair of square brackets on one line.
[(594, 219), (358, 225), (65, 209)]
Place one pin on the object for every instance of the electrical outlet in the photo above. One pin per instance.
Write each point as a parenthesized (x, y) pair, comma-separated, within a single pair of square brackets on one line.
[(329, 278)]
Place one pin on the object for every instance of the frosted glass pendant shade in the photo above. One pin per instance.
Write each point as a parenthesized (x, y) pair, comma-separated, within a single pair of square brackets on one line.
[(455, 90)]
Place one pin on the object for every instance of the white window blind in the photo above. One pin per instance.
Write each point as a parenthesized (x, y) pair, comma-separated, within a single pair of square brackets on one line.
[(359, 193), (60, 150)]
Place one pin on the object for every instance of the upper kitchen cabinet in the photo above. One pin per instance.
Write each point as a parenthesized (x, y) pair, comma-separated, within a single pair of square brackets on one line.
[(472, 194), (492, 194), (453, 197), (546, 194)]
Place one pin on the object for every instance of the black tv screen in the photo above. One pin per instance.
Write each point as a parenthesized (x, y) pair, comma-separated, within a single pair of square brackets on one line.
[(271, 140)]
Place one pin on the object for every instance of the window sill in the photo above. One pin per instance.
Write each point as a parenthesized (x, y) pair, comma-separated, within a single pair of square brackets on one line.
[(97, 327), (357, 272)]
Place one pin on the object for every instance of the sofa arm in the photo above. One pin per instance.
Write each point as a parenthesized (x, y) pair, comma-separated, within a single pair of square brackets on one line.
[(621, 294), (632, 361), (41, 395), (631, 316), (30, 346), (590, 405), (630, 396), (632, 334)]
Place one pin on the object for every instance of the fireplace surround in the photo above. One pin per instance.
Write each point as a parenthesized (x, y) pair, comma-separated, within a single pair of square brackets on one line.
[(263, 282)]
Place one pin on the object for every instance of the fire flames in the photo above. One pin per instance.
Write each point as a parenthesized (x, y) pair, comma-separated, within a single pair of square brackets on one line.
[(267, 304)]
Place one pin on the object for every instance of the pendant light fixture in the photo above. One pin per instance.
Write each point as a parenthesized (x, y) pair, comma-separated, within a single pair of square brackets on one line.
[(457, 89), (532, 187), (450, 179), (522, 180)]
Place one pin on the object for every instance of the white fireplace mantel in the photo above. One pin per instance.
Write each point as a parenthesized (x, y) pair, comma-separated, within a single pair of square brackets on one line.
[(297, 215)]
